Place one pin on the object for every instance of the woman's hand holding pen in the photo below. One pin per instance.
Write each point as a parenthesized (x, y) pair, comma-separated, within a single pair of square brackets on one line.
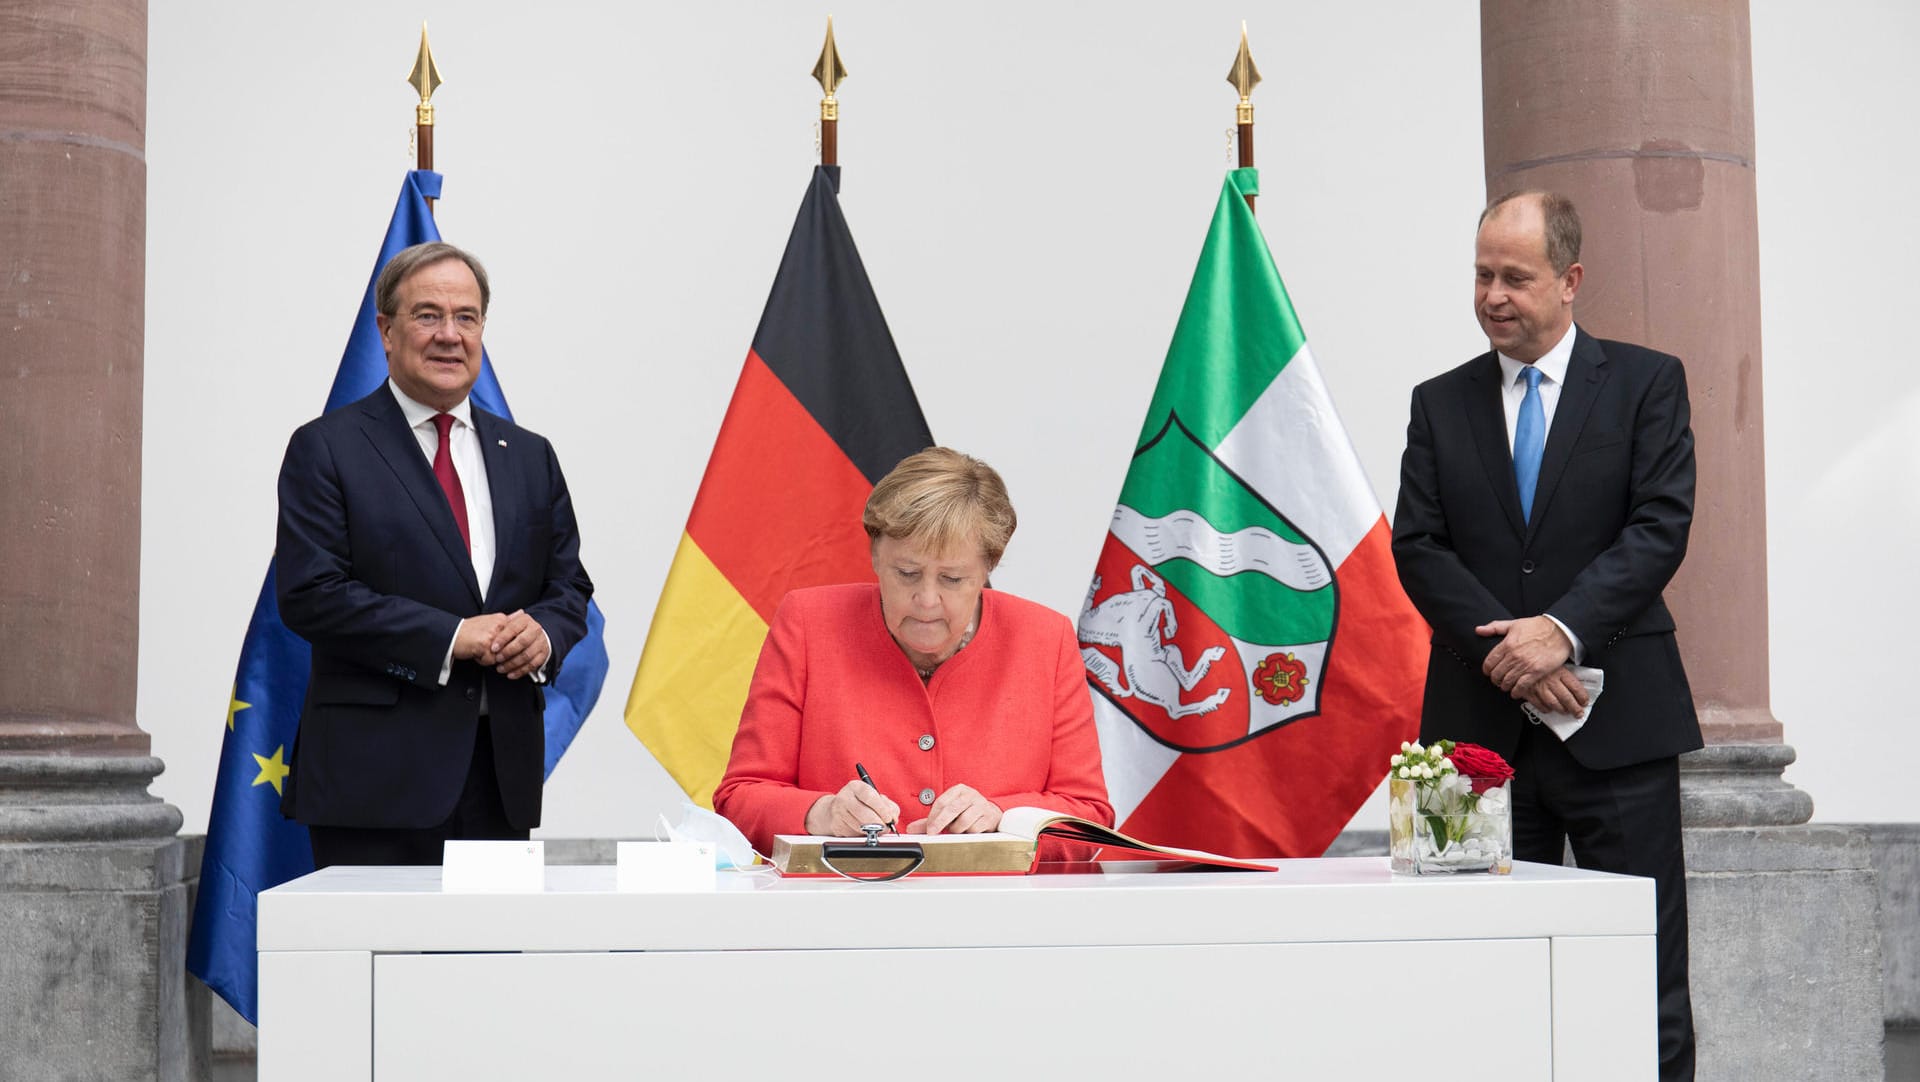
[(841, 814)]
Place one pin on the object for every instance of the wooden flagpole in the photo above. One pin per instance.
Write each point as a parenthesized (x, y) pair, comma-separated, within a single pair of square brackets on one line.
[(425, 79), (1244, 77), (830, 72)]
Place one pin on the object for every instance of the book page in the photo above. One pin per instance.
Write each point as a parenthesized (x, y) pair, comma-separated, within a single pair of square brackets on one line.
[(1029, 822)]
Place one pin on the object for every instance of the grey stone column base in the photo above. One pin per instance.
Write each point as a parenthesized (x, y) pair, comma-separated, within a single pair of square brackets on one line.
[(1784, 938), (94, 909), (1739, 785)]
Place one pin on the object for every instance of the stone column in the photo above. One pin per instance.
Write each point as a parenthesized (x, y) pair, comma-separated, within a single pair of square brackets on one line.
[(1641, 111), (90, 871)]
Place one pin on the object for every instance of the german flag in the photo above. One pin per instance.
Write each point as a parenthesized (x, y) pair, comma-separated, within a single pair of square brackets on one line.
[(823, 410)]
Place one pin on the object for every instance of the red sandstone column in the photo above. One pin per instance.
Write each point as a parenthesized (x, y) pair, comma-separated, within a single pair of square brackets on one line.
[(91, 890), (1642, 113), (73, 181)]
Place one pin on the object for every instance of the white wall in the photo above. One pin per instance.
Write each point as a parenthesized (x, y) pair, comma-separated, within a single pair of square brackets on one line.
[(1029, 185), (1834, 92)]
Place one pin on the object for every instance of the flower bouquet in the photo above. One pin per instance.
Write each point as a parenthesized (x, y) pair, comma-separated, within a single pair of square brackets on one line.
[(1449, 810)]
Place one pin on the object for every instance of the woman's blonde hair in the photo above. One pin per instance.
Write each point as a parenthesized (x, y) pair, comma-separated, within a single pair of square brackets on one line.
[(942, 499)]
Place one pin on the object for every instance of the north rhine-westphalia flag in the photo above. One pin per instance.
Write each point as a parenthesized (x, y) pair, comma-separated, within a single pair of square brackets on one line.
[(822, 411), (249, 846), (1253, 660)]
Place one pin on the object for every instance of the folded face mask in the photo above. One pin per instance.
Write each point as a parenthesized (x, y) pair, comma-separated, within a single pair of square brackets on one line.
[(730, 847)]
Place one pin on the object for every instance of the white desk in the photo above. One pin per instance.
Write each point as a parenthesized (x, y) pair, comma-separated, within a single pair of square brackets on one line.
[(1325, 969)]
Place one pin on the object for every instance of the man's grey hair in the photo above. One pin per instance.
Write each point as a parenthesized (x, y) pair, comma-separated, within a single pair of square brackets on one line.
[(1562, 225), (386, 288)]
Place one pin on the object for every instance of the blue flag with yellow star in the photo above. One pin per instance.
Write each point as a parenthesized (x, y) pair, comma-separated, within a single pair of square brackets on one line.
[(250, 847)]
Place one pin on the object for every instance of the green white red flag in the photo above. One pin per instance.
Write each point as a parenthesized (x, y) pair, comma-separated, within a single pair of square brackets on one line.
[(1253, 660)]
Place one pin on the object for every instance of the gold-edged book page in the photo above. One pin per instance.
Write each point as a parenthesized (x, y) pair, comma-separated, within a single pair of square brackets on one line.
[(948, 854)]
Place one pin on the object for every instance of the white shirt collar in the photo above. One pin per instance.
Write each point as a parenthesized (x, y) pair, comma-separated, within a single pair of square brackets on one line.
[(1552, 364), (418, 413)]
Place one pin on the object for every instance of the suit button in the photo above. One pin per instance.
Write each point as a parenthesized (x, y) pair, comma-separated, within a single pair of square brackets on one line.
[(926, 741), (472, 694), (926, 796), (1526, 567)]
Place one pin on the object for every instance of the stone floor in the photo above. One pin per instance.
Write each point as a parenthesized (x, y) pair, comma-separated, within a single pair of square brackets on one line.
[(1903, 1060)]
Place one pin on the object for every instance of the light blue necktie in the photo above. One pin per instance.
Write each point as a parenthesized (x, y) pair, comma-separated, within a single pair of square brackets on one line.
[(1529, 439)]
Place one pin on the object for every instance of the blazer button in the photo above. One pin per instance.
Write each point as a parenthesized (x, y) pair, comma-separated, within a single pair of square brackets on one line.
[(472, 694), (1526, 567), (926, 796), (926, 741)]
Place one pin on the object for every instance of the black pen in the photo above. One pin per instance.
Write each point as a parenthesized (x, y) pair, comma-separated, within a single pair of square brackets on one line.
[(868, 778)]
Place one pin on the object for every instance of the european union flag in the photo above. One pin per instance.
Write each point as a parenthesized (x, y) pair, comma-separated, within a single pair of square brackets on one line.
[(249, 846)]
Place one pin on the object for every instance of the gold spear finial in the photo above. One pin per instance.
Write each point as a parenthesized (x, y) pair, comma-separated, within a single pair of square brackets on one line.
[(830, 72), (1244, 77), (425, 79)]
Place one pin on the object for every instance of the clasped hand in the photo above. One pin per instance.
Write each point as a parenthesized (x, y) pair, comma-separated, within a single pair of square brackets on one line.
[(1530, 663), (511, 643)]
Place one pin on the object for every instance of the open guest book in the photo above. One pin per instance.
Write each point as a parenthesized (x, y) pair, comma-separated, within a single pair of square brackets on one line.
[(1011, 850)]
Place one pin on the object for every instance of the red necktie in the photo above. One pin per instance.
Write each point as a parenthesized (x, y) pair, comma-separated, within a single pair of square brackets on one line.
[(449, 480)]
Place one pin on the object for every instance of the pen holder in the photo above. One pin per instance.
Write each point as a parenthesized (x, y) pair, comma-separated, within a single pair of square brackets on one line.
[(872, 861)]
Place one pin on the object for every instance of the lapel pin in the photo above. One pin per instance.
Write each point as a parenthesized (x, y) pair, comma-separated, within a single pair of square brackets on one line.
[(503, 443)]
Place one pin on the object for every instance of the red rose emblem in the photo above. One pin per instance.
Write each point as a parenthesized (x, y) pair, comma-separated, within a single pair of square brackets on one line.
[(1281, 679), (1486, 768)]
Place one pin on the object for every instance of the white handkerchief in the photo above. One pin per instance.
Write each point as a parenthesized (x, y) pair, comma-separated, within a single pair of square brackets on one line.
[(1565, 725)]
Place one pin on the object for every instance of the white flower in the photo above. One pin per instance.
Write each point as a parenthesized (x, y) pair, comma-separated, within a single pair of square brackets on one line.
[(1424, 770), (1446, 763), (1396, 760), (1405, 746), (1415, 749)]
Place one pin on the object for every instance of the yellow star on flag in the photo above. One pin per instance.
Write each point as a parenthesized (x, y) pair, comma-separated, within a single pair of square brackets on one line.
[(272, 771), (235, 707)]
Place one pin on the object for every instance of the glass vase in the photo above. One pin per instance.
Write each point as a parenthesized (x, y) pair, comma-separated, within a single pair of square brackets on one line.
[(1443, 826)]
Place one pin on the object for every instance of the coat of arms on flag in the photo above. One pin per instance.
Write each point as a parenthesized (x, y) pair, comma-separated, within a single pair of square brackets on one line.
[(1210, 615), (1245, 545)]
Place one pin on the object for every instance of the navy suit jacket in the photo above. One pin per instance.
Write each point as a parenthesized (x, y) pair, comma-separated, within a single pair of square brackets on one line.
[(370, 569), (1611, 513)]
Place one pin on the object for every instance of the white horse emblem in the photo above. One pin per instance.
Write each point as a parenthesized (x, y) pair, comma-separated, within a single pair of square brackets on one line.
[(1153, 667)]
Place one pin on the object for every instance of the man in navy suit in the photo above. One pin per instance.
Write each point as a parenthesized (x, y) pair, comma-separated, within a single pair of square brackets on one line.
[(1545, 498), (428, 552)]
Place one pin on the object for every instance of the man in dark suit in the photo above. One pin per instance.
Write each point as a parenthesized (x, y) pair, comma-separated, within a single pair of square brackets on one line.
[(427, 550), (1545, 497)]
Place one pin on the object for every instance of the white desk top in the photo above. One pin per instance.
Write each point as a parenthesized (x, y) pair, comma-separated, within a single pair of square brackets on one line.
[(1325, 900)]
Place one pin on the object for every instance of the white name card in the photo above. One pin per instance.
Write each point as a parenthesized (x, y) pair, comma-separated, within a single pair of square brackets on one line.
[(667, 867), (468, 867)]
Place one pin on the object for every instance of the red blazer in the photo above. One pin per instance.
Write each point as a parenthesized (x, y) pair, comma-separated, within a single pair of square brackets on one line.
[(1009, 715)]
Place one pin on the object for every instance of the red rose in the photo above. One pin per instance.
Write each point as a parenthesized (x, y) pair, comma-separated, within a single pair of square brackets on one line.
[(1281, 679), (1485, 767)]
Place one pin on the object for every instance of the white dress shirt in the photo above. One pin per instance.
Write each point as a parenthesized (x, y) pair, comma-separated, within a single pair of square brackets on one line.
[(464, 447), (1513, 391), (1553, 376)]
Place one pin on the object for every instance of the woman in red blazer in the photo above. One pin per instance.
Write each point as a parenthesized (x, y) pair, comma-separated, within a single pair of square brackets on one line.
[(960, 701)]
